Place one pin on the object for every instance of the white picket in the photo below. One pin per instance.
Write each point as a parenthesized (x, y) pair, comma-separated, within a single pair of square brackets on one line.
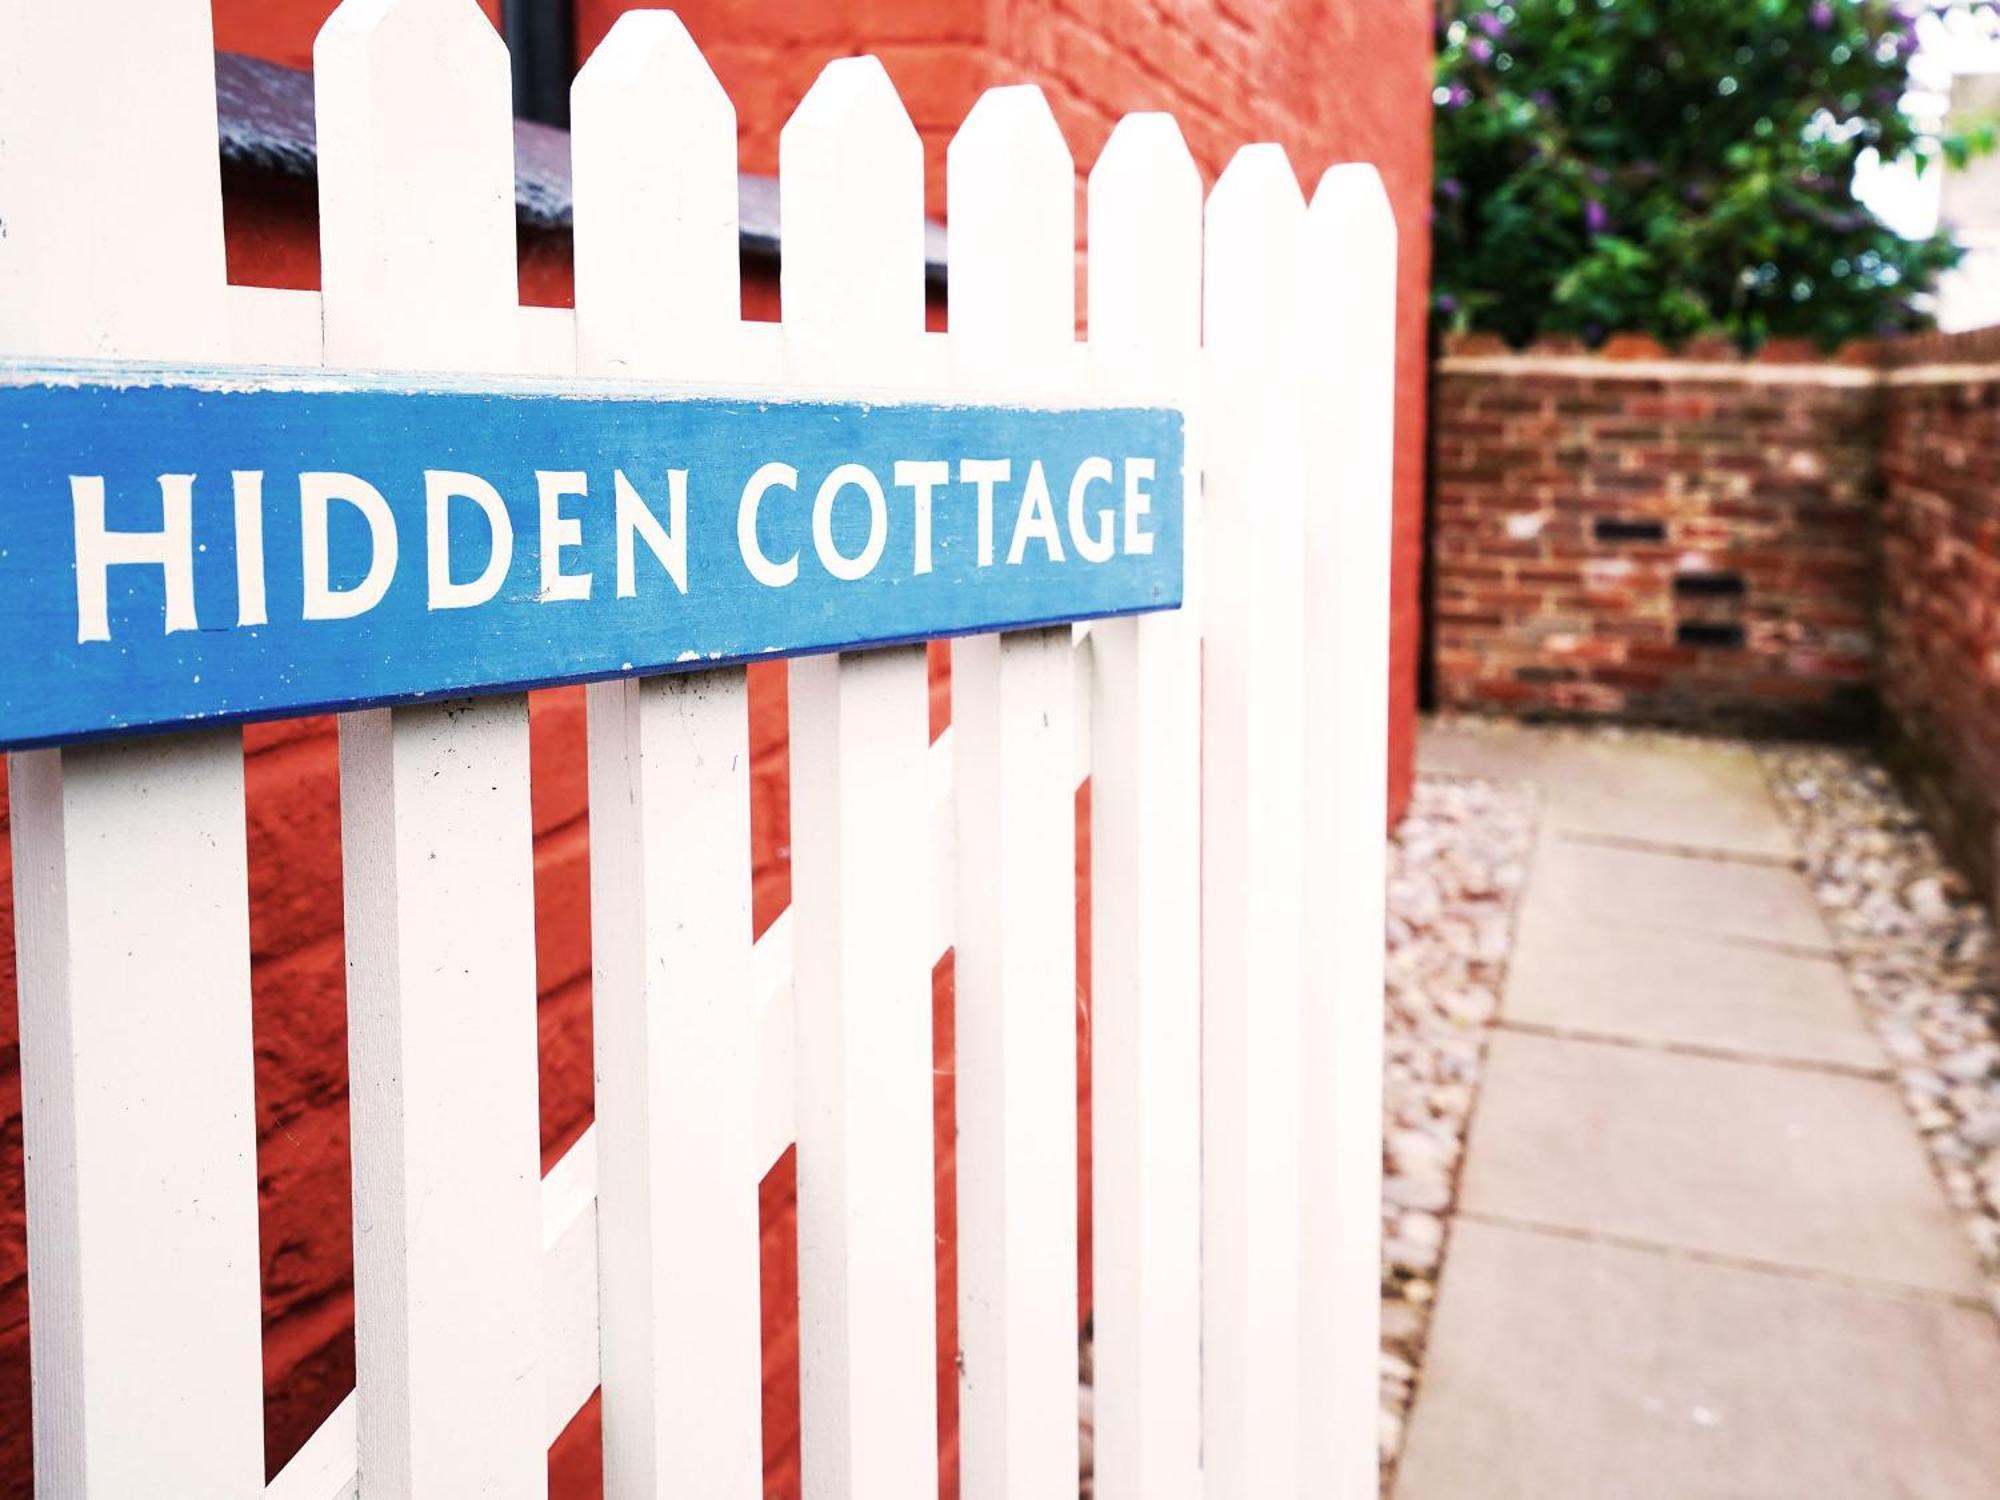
[(418, 272), (1350, 317), (1237, 1055), (1253, 753), (274, 326), (571, 1327), (1011, 189), (1144, 273), (653, 143), (130, 887), (851, 200), (113, 244)]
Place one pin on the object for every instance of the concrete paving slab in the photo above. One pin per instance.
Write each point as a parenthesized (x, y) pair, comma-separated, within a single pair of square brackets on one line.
[(1779, 1165), (1560, 1370), (1647, 889), (1673, 989), (1656, 789)]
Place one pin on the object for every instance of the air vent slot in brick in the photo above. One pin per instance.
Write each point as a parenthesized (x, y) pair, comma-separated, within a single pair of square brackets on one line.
[(1708, 585), (1611, 529), (1708, 633)]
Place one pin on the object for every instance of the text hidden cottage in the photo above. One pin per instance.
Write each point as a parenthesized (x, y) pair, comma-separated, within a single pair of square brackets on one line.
[(175, 548)]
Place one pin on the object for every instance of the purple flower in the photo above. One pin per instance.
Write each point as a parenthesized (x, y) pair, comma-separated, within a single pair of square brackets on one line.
[(1595, 219), (1457, 97), (1447, 304), (1491, 24), (1479, 50), (1822, 15), (1542, 99), (1452, 188)]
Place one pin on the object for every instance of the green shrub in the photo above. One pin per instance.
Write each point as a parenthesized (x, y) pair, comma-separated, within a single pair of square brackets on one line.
[(1678, 167)]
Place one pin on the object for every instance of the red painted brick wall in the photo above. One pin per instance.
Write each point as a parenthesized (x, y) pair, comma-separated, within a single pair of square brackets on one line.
[(1332, 81), (1941, 584), (1753, 600), (283, 30)]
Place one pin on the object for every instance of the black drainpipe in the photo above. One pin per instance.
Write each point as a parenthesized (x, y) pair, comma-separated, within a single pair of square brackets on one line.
[(1427, 694), (541, 34)]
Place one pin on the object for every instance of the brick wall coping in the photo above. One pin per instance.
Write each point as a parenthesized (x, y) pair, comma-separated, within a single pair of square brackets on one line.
[(1967, 358), (1592, 367), (1958, 374)]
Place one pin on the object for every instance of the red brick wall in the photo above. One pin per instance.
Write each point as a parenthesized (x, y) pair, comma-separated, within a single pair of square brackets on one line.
[(1333, 81), (1941, 583), (283, 30), (1689, 540)]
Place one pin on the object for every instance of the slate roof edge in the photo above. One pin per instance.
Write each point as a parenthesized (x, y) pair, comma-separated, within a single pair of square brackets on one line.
[(264, 116)]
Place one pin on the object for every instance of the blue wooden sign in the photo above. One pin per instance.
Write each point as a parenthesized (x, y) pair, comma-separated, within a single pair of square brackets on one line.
[(177, 549)]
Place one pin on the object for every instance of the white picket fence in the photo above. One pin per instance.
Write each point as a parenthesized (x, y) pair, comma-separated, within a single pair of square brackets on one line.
[(1236, 749)]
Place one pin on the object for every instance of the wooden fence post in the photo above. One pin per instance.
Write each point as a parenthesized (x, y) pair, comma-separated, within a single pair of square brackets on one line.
[(1012, 198), (1350, 315), (1253, 742), (1145, 849), (1239, 984), (418, 269), (130, 884), (851, 198), (654, 146)]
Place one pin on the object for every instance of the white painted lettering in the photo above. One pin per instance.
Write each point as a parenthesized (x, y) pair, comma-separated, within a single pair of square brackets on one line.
[(560, 532), (860, 477), (771, 574), (1036, 519), (1090, 548), (170, 549), (247, 486), (667, 543), (441, 487), (985, 473), (322, 600), (1138, 502), (923, 478)]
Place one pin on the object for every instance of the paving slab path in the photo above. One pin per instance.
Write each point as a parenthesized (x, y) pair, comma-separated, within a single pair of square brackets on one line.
[(1698, 1248)]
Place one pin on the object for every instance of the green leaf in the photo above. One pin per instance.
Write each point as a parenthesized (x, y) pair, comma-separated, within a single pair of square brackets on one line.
[(1680, 167)]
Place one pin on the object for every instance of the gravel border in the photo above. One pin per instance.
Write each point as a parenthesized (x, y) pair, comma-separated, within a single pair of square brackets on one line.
[(1918, 948), (1457, 867), (1457, 864)]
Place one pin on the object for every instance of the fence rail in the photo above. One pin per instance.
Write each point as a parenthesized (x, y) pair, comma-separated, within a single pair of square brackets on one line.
[(1235, 749)]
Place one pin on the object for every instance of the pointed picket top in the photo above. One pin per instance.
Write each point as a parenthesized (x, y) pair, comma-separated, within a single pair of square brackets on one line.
[(851, 200), (1255, 224), (416, 185), (1011, 195), (1351, 234), (653, 158), (386, 28), (113, 202), (1352, 194), (1144, 223)]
